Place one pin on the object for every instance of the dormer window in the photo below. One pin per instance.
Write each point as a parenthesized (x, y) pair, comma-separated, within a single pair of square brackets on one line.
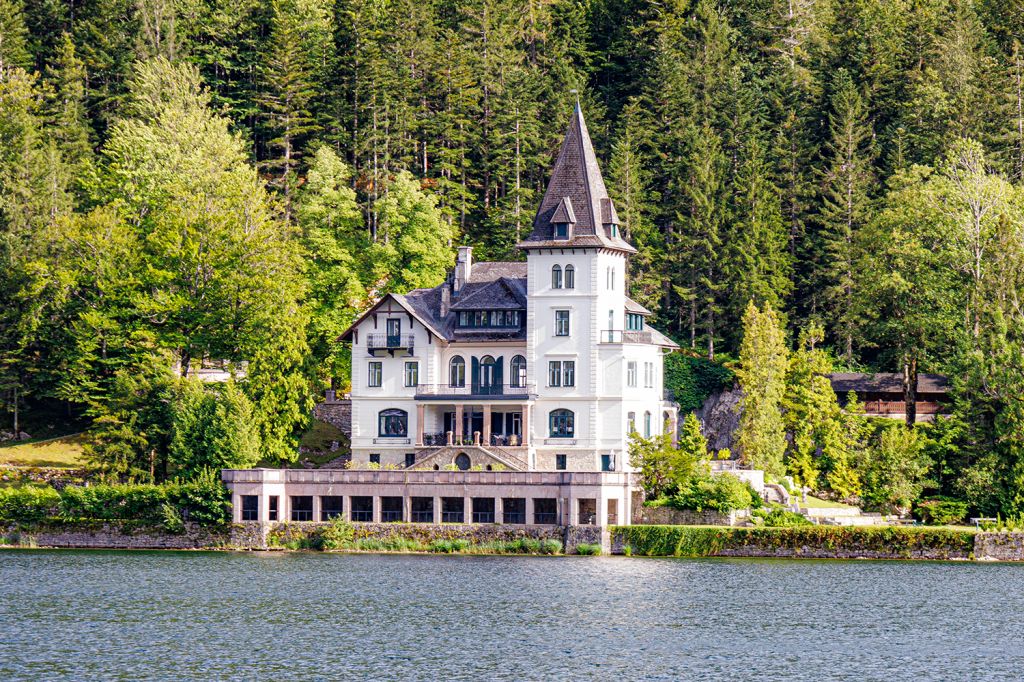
[(634, 322), (561, 230), (563, 219), (614, 230)]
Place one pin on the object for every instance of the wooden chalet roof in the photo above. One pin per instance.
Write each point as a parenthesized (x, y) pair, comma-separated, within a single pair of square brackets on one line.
[(885, 382)]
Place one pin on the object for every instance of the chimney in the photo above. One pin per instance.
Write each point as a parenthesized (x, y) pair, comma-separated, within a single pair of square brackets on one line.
[(446, 298), (463, 268)]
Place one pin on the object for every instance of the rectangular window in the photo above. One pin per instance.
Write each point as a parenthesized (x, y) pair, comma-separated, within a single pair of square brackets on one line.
[(463, 319), (545, 510), (561, 323), (555, 373), (302, 507), (410, 459), (375, 458), (569, 373), (422, 509), (250, 508), (483, 510), (452, 509), (561, 230), (560, 462), (330, 507), (631, 374), (272, 512), (631, 422), (391, 509), (362, 508), (412, 374), (376, 376), (647, 375), (607, 462), (513, 510)]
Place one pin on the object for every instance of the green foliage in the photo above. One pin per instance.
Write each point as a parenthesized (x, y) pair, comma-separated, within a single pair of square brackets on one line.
[(895, 470), (337, 533), (28, 503), (780, 517), (719, 492), (663, 468), (586, 549), (818, 541), (941, 511), (762, 377), (441, 546), (212, 428), (692, 379)]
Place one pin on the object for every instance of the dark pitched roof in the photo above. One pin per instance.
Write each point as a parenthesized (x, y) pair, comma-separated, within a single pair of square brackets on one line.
[(634, 307), (885, 382), (501, 294), (488, 271), (576, 190)]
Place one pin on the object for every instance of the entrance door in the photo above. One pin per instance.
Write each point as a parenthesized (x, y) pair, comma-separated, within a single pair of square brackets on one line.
[(472, 422)]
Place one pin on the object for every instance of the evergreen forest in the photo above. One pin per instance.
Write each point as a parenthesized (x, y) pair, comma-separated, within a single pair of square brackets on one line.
[(188, 181)]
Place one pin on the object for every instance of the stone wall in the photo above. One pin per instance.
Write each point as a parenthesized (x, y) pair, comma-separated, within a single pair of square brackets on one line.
[(999, 546), (337, 413), (98, 535), (425, 533), (667, 516), (720, 417)]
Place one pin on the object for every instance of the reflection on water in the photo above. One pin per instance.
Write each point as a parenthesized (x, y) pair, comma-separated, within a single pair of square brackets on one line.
[(150, 615)]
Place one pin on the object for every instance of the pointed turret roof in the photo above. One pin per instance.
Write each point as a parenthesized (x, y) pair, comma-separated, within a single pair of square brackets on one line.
[(576, 189)]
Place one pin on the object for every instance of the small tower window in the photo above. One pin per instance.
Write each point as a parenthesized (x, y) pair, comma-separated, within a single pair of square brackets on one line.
[(570, 277), (561, 230), (556, 277)]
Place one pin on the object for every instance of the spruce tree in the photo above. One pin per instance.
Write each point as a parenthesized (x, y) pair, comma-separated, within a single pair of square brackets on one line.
[(846, 207), (66, 114), (13, 37)]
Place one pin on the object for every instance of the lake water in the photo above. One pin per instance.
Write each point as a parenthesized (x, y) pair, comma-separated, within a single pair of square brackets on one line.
[(181, 615)]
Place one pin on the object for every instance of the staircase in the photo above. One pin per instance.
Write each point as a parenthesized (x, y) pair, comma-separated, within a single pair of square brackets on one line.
[(478, 456)]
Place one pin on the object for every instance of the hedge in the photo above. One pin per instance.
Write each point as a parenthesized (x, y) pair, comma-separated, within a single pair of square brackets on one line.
[(814, 541), (205, 501)]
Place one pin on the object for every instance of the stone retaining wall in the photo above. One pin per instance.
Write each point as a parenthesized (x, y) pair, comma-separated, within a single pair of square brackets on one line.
[(570, 536), (999, 546), (668, 516), (337, 413), (254, 535)]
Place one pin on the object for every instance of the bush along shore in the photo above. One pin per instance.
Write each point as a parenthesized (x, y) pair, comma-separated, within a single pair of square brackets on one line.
[(818, 542)]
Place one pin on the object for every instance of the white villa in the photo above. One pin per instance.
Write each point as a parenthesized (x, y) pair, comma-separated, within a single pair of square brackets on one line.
[(543, 365), (506, 394)]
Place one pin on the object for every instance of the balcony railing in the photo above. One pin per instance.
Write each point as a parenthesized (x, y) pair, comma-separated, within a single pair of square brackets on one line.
[(392, 440), (471, 390), (390, 342), (624, 336), (441, 439)]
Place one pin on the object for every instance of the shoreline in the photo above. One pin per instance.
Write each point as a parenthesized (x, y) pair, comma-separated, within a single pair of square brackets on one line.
[(808, 542)]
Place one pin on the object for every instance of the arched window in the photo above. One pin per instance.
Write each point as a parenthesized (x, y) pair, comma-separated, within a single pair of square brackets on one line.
[(647, 424), (612, 287), (457, 372), (393, 424), (562, 424), (462, 461), (556, 277), (631, 423), (517, 372), (487, 371), (570, 277)]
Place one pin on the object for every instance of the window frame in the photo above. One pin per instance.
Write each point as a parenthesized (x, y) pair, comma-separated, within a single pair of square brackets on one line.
[(561, 423), (460, 381), (563, 316), (568, 373), (555, 373), (388, 419), (517, 372), (370, 376), (570, 276), (631, 372), (561, 462), (412, 368), (556, 276), (647, 424)]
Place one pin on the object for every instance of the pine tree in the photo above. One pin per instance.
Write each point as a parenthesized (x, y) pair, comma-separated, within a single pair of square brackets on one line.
[(764, 362), (846, 207)]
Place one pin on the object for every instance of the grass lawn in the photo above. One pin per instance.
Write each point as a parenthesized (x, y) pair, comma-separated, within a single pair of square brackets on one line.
[(65, 452)]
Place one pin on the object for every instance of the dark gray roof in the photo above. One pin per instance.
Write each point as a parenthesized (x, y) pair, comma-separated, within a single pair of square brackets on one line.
[(501, 294), (885, 382), (488, 271), (576, 189)]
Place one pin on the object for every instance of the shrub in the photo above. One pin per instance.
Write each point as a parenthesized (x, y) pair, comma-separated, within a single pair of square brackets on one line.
[(550, 546), (722, 493), (780, 517), (588, 549), (941, 511), (449, 546), (337, 533), (172, 521), (28, 504)]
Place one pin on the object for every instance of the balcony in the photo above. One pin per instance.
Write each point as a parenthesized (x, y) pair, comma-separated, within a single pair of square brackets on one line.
[(624, 336), (392, 440), (390, 343), (489, 391)]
